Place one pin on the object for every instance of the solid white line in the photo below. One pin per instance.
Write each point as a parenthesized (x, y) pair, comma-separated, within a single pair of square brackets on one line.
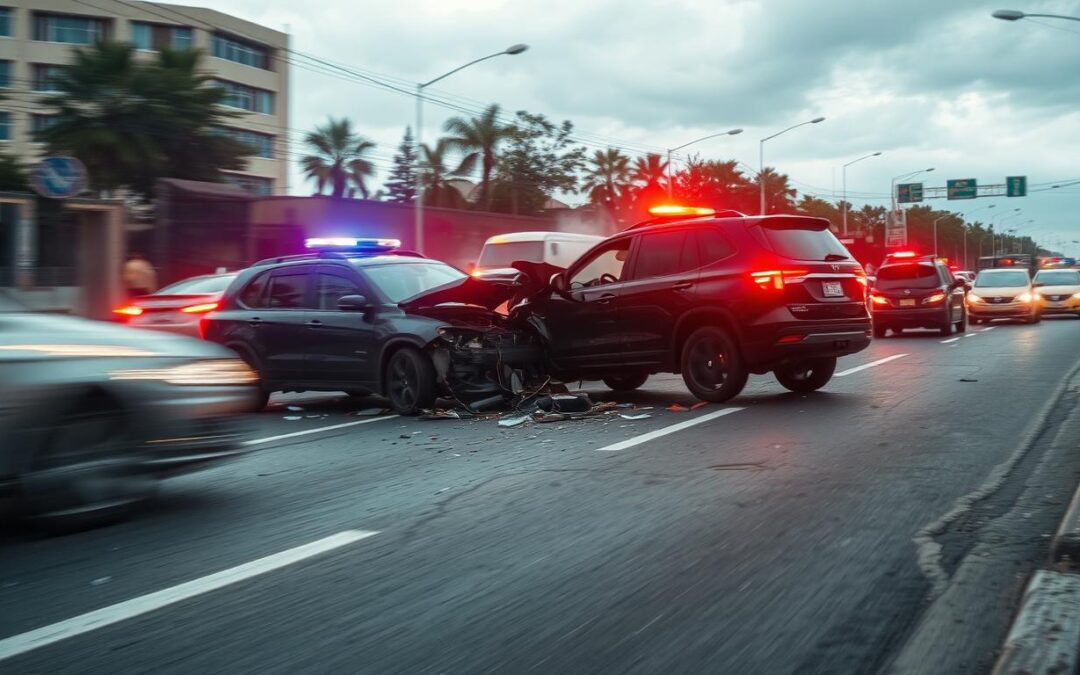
[(305, 432), (644, 438), (945, 342), (47, 635), (970, 334), (852, 371), (983, 330)]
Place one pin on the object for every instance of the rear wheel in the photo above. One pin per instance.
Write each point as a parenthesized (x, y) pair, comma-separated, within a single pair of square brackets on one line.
[(712, 367), (262, 394), (807, 375), (625, 381), (947, 327), (879, 330), (410, 381)]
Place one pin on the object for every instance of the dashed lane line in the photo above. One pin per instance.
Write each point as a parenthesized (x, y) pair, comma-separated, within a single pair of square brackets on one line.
[(305, 432), (945, 342), (983, 330), (970, 334), (872, 364), (645, 438), (99, 618)]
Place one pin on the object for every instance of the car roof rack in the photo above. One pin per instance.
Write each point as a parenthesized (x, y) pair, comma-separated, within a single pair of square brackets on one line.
[(726, 213)]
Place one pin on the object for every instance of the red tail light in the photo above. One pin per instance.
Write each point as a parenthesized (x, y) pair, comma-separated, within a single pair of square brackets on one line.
[(790, 339), (201, 308), (774, 279), (128, 311), (879, 300)]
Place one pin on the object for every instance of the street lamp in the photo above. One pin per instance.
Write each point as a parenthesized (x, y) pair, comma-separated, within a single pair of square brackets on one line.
[(761, 155), (843, 199), (965, 215), (947, 215), (993, 239), (418, 210), (733, 132), (910, 174), (1015, 15)]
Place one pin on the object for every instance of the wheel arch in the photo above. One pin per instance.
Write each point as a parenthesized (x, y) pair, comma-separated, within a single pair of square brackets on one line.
[(691, 321)]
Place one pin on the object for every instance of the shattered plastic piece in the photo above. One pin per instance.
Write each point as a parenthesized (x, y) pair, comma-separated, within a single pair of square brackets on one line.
[(292, 418), (541, 416), (513, 421), (368, 412), (293, 408), (625, 405), (606, 406), (698, 406), (439, 414), (643, 416), (565, 403), (675, 407)]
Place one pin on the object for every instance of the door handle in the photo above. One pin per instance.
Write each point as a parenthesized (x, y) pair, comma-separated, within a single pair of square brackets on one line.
[(314, 323), (683, 285), (605, 298), (255, 321)]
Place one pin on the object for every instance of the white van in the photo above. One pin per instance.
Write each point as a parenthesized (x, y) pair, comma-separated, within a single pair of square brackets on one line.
[(555, 248)]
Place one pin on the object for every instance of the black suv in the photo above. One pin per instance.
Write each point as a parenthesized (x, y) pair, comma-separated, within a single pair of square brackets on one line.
[(713, 298), (917, 292)]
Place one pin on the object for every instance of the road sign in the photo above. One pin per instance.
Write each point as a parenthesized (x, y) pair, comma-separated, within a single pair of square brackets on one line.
[(1016, 186), (58, 177), (909, 192), (961, 188), (896, 229)]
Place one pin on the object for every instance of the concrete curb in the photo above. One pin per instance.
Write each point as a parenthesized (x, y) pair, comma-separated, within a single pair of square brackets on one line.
[(1045, 636), (1065, 546)]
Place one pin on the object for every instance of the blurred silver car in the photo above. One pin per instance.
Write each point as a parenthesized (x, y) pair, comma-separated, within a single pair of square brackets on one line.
[(177, 308), (93, 414)]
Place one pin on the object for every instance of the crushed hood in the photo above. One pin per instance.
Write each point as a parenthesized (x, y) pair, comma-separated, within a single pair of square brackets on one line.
[(526, 279)]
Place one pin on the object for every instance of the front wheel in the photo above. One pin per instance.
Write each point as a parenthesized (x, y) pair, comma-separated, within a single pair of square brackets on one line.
[(961, 325), (625, 381), (807, 375), (711, 365), (410, 381), (946, 328)]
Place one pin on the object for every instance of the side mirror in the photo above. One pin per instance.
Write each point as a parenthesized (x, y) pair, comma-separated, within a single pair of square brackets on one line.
[(959, 283), (558, 283), (352, 303)]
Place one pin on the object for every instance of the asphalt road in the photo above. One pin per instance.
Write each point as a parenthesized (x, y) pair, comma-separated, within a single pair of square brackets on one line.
[(776, 537)]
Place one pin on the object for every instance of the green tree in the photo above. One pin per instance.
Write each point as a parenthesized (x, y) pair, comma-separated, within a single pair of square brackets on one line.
[(714, 183), (818, 208), (607, 178), (437, 175), (401, 186), (779, 196), (132, 122), (478, 139), (337, 158), (540, 160)]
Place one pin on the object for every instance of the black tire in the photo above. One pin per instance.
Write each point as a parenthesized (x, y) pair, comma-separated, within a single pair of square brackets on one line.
[(410, 381), (625, 381), (961, 325), (879, 330), (807, 375), (946, 329), (86, 470), (712, 366)]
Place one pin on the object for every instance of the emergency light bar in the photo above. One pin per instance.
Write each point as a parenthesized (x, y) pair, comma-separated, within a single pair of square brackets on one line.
[(672, 210), (351, 244)]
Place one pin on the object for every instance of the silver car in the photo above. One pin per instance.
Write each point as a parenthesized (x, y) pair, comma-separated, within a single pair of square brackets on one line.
[(93, 414)]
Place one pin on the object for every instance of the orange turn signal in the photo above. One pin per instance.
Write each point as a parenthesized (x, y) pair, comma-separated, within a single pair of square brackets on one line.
[(673, 210)]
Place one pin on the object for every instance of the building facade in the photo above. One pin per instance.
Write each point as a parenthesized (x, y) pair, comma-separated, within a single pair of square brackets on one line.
[(38, 37)]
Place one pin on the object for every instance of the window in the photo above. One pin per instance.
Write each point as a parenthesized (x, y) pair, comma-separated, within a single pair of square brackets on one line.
[(256, 185), (261, 144), (792, 239), (605, 267), (246, 98), (660, 254), (332, 287), (141, 35), (288, 290), (713, 246), (252, 295), (45, 76), (401, 281), (1009, 279), (240, 51), (1058, 278), (5, 126), (155, 37), (39, 123), (5, 74), (5, 22), (503, 254), (74, 30), (182, 38), (908, 275)]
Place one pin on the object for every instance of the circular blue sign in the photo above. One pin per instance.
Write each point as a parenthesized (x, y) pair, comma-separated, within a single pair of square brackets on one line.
[(59, 177)]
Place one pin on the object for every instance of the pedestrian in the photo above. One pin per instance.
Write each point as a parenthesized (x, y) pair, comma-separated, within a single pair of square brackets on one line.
[(139, 275)]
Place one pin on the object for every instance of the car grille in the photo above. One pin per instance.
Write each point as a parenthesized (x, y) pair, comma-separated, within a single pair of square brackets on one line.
[(998, 300), (1056, 298)]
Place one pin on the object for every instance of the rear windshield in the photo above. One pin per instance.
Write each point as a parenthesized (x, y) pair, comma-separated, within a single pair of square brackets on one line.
[(907, 276), (1002, 279), (215, 284), (805, 244), (1059, 278), (502, 255)]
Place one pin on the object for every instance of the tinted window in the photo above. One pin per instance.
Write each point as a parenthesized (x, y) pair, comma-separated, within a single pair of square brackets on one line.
[(605, 267), (660, 254), (804, 244), (252, 296), (331, 289), (501, 255), (713, 246), (288, 290), (1058, 278), (908, 276), (198, 285), (1003, 279), (404, 280)]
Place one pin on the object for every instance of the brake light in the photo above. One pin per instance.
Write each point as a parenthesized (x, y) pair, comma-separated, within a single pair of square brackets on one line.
[(774, 279), (904, 254), (879, 300), (200, 308), (128, 310)]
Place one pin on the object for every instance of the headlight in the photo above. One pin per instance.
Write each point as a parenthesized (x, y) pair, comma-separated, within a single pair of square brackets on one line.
[(971, 297), (221, 372), (936, 297), (1027, 297), (1076, 296)]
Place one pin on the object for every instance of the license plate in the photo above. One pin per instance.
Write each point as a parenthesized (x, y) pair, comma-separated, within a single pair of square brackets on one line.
[(833, 289), (907, 302)]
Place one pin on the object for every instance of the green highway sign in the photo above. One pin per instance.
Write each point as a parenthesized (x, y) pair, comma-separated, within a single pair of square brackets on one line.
[(961, 188), (1016, 186), (909, 192)]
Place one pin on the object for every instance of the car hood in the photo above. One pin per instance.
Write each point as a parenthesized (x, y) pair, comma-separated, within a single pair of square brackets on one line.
[(1058, 290), (53, 335), (488, 291), (1003, 291)]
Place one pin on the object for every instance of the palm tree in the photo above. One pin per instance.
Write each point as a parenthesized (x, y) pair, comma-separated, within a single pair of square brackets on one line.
[(338, 158), (436, 175), (478, 139), (607, 177), (779, 195), (650, 172)]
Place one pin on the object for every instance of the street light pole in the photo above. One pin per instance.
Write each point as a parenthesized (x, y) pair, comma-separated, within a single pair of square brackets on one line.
[(965, 215), (843, 189), (732, 132), (761, 156), (910, 174), (947, 215), (1015, 15), (418, 208), (994, 238)]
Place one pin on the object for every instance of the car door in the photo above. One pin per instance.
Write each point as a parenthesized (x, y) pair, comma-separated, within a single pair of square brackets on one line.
[(954, 291), (661, 288), (342, 342), (582, 321), (282, 323)]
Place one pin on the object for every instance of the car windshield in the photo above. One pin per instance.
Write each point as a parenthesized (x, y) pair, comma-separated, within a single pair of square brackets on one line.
[(910, 275), (996, 279), (503, 254), (1058, 278), (214, 284), (401, 281)]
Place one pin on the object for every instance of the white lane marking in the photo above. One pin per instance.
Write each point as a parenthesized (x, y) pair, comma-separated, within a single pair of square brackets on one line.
[(983, 330), (970, 334), (257, 441), (99, 618), (644, 438), (852, 371), (945, 342)]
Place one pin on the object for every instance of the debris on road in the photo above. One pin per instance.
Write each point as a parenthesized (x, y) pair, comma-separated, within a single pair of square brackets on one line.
[(292, 418), (643, 416), (513, 421), (440, 414), (699, 406), (368, 412), (293, 408), (967, 379), (675, 407), (566, 403)]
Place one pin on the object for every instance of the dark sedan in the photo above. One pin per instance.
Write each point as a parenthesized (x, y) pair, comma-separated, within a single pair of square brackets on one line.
[(93, 414)]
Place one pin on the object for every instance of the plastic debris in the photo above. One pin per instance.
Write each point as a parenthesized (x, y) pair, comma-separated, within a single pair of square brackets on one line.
[(293, 408), (675, 407), (513, 421), (439, 414), (698, 406), (624, 405), (368, 412), (643, 416), (565, 403), (292, 418)]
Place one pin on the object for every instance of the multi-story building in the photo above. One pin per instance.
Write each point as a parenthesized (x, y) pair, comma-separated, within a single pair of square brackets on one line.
[(38, 37)]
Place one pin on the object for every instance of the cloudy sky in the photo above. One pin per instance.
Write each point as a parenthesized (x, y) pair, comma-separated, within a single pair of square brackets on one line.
[(927, 83)]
